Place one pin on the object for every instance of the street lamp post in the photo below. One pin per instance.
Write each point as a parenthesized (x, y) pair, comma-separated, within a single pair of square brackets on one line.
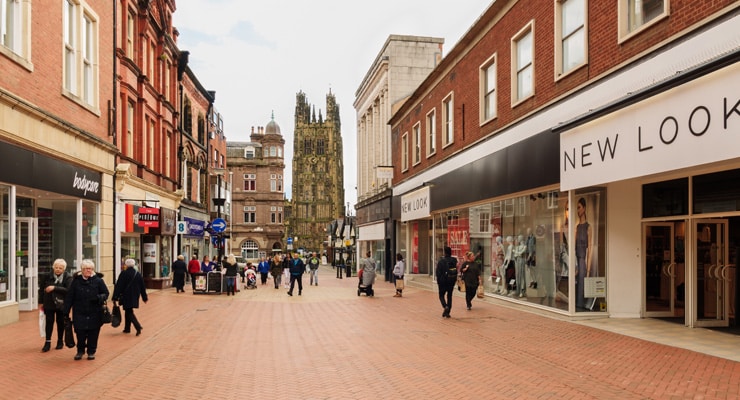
[(219, 202)]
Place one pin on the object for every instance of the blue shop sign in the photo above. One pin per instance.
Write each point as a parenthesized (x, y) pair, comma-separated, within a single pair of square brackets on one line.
[(196, 227)]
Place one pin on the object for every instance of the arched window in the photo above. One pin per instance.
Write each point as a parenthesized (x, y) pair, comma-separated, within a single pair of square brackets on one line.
[(250, 249)]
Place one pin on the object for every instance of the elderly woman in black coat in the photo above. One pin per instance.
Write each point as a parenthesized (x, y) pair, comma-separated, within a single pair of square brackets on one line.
[(55, 290), (86, 296), (129, 287)]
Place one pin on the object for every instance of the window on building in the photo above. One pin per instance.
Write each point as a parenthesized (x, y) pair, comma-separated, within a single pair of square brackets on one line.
[(250, 214), (276, 183), (129, 149), (187, 117), (488, 90), (636, 15), (405, 152), (431, 133), (166, 80), (522, 52), (80, 56), (448, 134), (152, 61), (151, 144), (15, 31), (280, 152), (249, 152), (201, 129), (570, 28), (273, 151), (167, 153), (320, 147), (273, 215), (250, 182), (416, 138), (130, 34), (484, 222), (307, 146), (250, 249)]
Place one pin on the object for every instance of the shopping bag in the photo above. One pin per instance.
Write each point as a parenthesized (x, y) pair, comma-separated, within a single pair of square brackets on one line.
[(461, 285), (42, 323), (69, 339), (479, 293), (115, 316), (399, 283), (105, 316)]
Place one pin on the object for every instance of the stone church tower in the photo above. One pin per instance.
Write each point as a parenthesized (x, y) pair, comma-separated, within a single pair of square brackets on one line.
[(318, 173)]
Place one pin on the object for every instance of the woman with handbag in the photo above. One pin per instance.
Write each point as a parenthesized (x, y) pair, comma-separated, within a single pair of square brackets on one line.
[(471, 277), (398, 271), (129, 287), (55, 290), (86, 297)]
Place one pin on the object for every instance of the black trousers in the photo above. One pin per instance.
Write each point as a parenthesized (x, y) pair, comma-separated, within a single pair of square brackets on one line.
[(293, 279), (445, 294), (87, 339), (470, 292), (263, 277), (130, 318), (51, 316)]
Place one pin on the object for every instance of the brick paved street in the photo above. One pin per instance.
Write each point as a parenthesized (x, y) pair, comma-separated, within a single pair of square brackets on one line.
[(331, 344)]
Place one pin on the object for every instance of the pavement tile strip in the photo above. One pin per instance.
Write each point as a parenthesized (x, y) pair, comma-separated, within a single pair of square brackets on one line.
[(331, 344)]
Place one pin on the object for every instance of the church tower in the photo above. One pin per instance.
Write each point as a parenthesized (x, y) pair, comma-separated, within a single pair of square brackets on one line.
[(318, 173)]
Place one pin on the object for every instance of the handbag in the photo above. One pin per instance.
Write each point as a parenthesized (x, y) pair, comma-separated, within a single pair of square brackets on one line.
[(69, 339), (58, 302), (105, 316), (115, 319), (399, 283), (461, 285)]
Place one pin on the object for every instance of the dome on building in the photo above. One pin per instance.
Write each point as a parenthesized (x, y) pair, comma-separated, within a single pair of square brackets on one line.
[(272, 127)]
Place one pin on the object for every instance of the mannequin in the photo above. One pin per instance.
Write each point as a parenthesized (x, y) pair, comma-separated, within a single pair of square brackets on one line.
[(498, 265), (507, 260), (531, 258), (519, 260)]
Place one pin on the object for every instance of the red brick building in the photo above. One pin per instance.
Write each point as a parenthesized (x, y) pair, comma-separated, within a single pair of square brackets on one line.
[(56, 143), (563, 155)]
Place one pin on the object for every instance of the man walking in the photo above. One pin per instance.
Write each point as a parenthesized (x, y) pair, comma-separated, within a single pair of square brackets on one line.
[(297, 269), (313, 265), (129, 287), (446, 278)]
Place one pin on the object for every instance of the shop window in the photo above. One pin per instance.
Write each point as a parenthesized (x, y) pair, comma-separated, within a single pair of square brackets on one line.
[(716, 192), (667, 198)]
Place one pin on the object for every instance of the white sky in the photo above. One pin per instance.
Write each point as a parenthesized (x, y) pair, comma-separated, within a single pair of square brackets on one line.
[(256, 55)]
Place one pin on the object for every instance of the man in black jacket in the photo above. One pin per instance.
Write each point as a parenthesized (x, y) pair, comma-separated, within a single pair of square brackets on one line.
[(297, 268), (446, 278), (129, 287)]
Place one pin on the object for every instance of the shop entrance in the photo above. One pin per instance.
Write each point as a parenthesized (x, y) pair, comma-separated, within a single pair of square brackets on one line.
[(714, 274), (664, 287), (26, 267)]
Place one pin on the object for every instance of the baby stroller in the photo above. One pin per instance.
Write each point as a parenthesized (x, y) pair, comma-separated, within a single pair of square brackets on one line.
[(365, 284), (251, 278)]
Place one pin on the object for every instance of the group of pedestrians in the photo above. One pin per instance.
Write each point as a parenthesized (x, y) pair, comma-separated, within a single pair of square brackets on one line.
[(448, 275), (84, 294)]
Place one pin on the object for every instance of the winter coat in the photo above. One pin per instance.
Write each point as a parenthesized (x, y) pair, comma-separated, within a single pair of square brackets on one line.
[(60, 290), (368, 271), (276, 268), (86, 298), (297, 267), (231, 269), (129, 287), (179, 270)]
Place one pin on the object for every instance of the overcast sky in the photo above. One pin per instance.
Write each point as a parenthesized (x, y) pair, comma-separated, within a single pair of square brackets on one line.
[(256, 55)]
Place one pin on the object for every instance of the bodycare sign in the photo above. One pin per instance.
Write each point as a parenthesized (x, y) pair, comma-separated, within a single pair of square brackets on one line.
[(693, 124)]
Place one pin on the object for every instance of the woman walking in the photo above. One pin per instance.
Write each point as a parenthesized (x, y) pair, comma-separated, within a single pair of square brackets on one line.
[(128, 289), (231, 270), (398, 271), (471, 276), (86, 296), (55, 290), (276, 270)]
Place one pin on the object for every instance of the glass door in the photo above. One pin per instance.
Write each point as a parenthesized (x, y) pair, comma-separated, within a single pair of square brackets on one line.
[(659, 277), (711, 272), (25, 264)]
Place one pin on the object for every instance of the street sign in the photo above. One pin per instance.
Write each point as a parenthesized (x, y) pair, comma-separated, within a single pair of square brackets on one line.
[(290, 240), (182, 227), (218, 225)]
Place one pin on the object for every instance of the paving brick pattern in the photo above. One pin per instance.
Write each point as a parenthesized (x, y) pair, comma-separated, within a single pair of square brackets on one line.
[(331, 344)]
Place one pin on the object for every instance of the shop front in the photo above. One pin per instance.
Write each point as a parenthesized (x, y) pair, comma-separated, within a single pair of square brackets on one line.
[(194, 242), (532, 246), (670, 162), (375, 232), (56, 215)]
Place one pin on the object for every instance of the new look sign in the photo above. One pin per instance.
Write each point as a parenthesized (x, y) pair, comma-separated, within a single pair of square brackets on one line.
[(693, 124), (415, 205)]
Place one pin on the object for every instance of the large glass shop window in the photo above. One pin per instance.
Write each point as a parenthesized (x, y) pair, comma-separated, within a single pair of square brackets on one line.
[(521, 245), (4, 245), (90, 234)]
